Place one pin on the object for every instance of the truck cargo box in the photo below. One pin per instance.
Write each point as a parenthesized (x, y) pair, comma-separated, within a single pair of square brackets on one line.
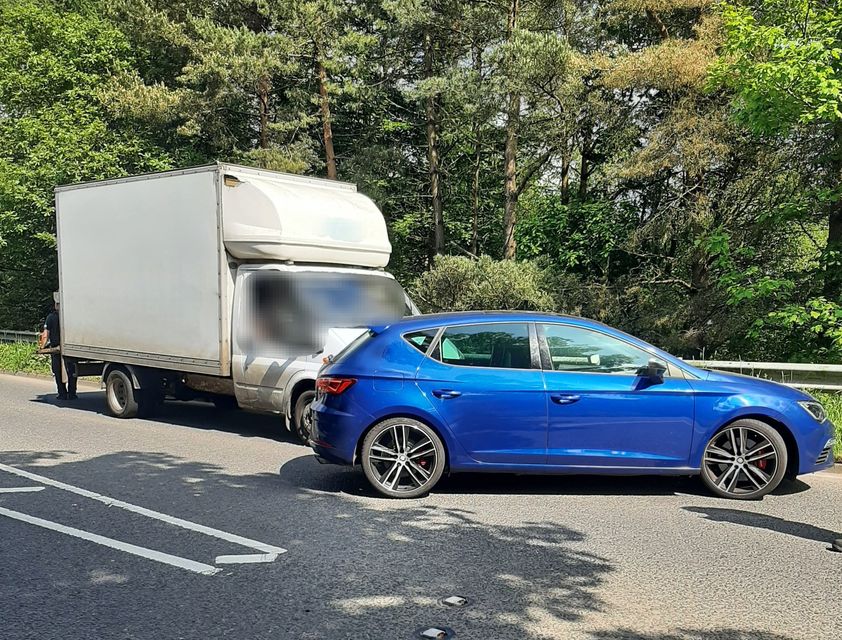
[(143, 268)]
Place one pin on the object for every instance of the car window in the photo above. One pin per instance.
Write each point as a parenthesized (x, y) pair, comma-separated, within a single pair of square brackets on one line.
[(583, 350), (421, 340), (504, 345)]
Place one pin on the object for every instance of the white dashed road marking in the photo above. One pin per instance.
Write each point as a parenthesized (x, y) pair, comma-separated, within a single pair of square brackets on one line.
[(143, 552), (269, 552)]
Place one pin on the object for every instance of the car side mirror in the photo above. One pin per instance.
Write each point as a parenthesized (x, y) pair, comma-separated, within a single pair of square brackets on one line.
[(653, 370)]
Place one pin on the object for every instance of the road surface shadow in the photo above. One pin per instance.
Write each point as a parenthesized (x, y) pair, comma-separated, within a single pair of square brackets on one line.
[(306, 473), (353, 569), (763, 521), (194, 415)]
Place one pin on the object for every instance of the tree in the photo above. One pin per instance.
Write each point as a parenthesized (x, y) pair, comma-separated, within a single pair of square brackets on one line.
[(783, 60), (54, 130)]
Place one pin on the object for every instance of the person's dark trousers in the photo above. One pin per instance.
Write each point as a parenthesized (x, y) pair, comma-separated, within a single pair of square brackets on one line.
[(55, 360), (70, 368)]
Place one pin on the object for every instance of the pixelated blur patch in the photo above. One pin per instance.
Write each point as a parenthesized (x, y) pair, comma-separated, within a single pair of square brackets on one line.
[(290, 313)]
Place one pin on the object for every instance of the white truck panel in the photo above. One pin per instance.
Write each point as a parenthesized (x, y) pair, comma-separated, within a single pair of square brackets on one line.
[(275, 217), (143, 275)]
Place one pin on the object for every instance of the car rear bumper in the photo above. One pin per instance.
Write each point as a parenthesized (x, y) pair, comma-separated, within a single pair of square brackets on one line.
[(335, 434)]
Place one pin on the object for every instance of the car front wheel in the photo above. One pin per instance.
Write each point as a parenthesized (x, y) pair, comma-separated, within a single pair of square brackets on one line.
[(744, 461), (403, 458)]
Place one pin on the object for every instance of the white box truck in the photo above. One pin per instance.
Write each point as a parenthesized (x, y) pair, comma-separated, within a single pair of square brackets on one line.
[(155, 273)]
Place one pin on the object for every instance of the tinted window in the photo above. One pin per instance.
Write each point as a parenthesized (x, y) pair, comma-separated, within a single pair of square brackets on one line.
[(575, 349), (421, 340), (487, 345)]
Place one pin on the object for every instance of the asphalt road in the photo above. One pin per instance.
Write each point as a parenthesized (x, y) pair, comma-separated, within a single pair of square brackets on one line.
[(560, 557)]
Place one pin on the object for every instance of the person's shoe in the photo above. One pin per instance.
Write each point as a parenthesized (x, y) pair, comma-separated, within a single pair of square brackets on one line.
[(72, 396), (61, 396), (837, 545)]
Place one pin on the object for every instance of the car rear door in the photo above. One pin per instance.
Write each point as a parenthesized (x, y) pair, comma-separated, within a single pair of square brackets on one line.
[(601, 413), (485, 382)]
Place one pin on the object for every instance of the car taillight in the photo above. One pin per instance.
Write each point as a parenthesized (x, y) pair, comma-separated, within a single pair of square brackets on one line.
[(334, 386)]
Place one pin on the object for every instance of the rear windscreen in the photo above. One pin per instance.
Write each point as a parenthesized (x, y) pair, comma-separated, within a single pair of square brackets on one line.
[(353, 346)]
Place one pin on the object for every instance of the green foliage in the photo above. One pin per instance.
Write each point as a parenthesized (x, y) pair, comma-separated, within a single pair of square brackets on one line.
[(579, 237), (20, 357), (832, 403), (783, 61), (53, 131), (461, 284), (642, 200)]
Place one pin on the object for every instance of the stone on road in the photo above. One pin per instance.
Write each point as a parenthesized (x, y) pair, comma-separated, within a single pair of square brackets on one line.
[(599, 558)]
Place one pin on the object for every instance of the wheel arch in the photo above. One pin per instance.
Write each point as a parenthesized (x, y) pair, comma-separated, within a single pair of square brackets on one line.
[(405, 414), (299, 386), (791, 443)]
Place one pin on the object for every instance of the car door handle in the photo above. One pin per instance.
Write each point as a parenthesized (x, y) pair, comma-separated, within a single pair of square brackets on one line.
[(564, 398), (446, 394)]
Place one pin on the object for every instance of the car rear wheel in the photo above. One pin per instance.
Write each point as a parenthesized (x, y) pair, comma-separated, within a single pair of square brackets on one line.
[(403, 458), (744, 461)]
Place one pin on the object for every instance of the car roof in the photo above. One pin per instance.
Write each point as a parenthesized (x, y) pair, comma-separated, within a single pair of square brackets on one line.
[(431, 320)]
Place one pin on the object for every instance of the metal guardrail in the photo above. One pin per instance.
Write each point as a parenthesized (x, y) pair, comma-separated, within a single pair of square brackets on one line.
[(18, 336), (827, 377)]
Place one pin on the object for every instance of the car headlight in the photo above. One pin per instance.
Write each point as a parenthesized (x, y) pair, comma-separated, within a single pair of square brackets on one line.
[(815, 409)]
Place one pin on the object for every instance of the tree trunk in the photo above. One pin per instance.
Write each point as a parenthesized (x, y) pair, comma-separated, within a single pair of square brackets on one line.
[(565, 177), (327, 130), (476, 54), (585, 169), (833, 271), (263, 100), (510, 157), (433, 151)]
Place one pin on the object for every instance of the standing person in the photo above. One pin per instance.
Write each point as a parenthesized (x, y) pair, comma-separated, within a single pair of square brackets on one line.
[(52, 338)]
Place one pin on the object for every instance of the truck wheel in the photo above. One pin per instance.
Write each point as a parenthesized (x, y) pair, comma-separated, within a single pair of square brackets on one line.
[(302, 417), (120, 395)]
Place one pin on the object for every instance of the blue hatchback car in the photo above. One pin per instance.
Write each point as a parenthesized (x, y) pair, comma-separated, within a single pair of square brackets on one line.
[(542, 393)]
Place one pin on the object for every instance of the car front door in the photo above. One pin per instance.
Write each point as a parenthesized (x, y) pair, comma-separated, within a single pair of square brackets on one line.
[(601, 412), (485, 382)]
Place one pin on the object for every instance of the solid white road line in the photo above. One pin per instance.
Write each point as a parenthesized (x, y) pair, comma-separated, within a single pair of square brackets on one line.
[(149, 513), (246, 558), (143, 552), (20, 489)]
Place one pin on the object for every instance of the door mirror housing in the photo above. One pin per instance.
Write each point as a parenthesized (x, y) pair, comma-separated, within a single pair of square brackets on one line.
[(653, 370)]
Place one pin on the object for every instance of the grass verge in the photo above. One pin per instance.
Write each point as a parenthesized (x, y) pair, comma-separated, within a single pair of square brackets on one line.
[(20, 357)]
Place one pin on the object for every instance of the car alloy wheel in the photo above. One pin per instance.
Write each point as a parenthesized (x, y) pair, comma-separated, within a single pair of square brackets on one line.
[(403, 458), (745, 460)]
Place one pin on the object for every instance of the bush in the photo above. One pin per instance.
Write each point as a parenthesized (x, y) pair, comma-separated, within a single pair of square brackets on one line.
[(832, 403), (20, 357), (462, 284)]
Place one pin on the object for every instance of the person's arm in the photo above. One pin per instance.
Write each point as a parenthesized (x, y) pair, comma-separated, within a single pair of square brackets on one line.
[(45, 335)]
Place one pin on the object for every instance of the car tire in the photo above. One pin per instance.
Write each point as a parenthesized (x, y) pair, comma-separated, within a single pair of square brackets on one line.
[(745, 460), (121, 398), (302, 418), (390, 465)]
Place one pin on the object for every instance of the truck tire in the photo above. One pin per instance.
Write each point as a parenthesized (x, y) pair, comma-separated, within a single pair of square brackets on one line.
[(120, 396), (302, 421)]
